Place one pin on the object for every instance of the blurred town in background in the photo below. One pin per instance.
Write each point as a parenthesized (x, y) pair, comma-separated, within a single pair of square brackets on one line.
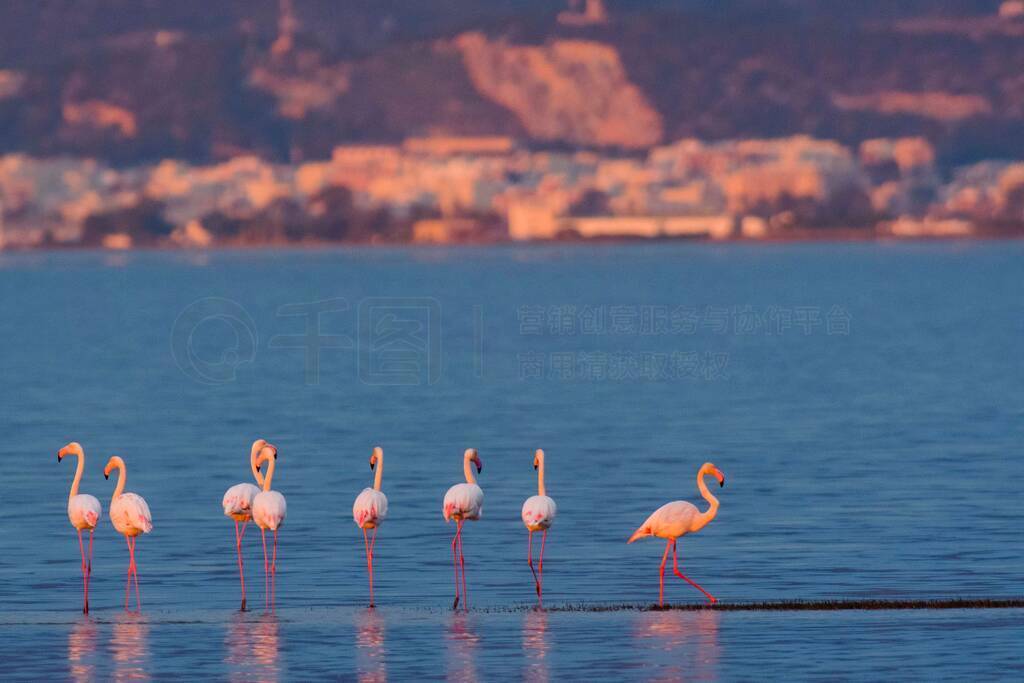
[(127, 123)]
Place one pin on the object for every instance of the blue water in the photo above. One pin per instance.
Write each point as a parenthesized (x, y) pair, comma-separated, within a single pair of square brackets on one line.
[(864, 401)]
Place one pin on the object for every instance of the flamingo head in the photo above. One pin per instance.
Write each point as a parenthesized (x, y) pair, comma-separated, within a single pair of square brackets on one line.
[(375, 457), (266, 453), (709, 468), (538, 458), (114, 463), (73, 448), (473, 456)]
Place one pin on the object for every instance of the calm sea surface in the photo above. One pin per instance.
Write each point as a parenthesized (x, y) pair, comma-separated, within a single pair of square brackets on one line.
[(866, 402)]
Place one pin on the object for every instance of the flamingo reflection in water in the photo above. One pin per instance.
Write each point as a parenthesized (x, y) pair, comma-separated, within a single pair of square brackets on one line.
[(462, 644), (535, 645), (683, 644), (252, 648), (370, 637), (82, 650), (129, 643)]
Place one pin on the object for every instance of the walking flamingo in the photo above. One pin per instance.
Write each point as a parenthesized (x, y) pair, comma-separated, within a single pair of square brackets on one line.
[(538, 514), (84, 512), (370, 509), (679, 518), (130, 515), (462, 502), (237, 505), (268, 511)]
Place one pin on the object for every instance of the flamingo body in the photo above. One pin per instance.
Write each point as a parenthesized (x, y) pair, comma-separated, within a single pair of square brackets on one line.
[(539, 512), (84, 511), (238, 501), (269, 510), (130, 515), (370, 508), (670, 521), (462, 502)]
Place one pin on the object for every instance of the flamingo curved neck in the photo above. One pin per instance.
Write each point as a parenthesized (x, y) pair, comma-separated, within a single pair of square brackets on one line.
[(467, 467), (541, 491), (380, 472), (122, 475), (254, 463), (78, 476), (270, 474), (709, 514)]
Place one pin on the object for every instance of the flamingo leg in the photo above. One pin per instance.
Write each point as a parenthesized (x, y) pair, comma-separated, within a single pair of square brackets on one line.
[(135, 572), (540, 570), (369, 559), (85, 575), (462, 566), (266, 571), (273, 573), (241, 568), (675, 568), (529, 561), (455, 561), (131, 561), (88, 574), (661, 581)]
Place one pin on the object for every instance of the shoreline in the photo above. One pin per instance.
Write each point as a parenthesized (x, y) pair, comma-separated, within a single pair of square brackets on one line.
[(837, 237)]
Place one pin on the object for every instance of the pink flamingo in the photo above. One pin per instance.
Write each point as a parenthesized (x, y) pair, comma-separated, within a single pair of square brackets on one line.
[(370, 509), (462, 502), (268, 511), (538, 514), (237, 504), (84, 512), (679, 518), (130, 515)]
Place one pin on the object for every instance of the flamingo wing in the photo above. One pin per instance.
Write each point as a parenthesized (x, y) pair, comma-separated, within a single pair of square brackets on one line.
[(269, 510), (539, 512), (671, 520), (370, 508), (463, 501), (84, 511), (238, 499), (131, 513)]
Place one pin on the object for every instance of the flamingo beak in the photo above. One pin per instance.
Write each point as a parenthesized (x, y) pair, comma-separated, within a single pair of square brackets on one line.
[(721, 478), (58, 457), (479, 466), (372, 463), (534, 465), (106, 475)]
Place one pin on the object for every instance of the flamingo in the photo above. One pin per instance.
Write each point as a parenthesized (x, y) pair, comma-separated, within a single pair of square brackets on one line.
[(462, 502), (130, 515), (268, 511), (679, 518), (370, 509), (84, 512), (237, 505), (538, 514)]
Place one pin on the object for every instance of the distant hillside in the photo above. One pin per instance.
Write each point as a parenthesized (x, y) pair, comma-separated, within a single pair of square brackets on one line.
[(137, 80)]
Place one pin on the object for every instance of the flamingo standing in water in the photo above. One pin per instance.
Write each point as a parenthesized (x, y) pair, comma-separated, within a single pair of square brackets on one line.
[(84, 512), (370, 509), (237, 505), (268, 511), (462, 502), (679, 518), (130, 515), (538, 514)]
